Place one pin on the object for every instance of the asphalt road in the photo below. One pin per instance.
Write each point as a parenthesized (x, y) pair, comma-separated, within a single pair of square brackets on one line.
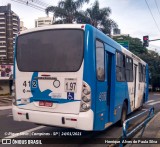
[(8, 127)]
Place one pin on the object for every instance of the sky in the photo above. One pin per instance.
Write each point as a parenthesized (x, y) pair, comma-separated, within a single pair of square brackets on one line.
[(132, 16)]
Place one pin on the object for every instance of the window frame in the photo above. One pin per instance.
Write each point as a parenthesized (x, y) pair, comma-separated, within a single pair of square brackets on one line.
[(16, 46), (122, 68), (130, 68), (144, 73), (140, 68), (97, 39)]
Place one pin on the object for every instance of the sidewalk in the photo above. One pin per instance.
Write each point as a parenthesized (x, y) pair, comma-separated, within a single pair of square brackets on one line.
[(152, 130), (5, 101)]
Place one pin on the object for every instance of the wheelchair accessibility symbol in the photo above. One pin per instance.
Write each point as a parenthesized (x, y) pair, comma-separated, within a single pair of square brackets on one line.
[(70, 96)]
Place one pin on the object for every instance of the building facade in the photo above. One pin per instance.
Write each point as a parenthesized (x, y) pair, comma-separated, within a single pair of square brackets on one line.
[(22, 28), (9, 27), (116, 31), (44, 21)]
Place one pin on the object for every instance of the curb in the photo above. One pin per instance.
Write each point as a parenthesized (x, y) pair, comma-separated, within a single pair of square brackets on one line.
[(152, 120)]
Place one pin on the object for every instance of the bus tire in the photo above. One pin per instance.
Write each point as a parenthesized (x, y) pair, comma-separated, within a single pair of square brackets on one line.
[(123, 114)]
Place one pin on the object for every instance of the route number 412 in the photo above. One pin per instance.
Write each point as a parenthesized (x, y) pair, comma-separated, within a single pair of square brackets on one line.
[(26, 83)]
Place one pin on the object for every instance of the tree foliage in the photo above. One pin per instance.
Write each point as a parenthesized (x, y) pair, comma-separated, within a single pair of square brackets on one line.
[(67, 10), (150, 57), (99, 18)]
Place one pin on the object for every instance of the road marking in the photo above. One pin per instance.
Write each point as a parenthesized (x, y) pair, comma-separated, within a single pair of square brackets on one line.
[(158, 102), (10, 115), (8, 99), (25, 132), (150, 101), (157, 94), (144, 109), (3, 101), (5, 107)]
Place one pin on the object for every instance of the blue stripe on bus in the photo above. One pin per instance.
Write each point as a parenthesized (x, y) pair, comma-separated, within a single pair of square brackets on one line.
[(38, 95)]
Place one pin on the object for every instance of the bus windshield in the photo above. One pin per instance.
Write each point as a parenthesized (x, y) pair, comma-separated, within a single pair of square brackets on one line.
[(50, 51)]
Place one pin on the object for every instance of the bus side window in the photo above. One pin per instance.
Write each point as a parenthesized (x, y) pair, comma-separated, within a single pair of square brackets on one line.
[(140, 72), (120, 67), (100, 60), (144, 73), (129, 69)]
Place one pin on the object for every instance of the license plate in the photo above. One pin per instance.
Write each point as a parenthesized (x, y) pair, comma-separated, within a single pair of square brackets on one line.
[(45, 103), (70, 85)]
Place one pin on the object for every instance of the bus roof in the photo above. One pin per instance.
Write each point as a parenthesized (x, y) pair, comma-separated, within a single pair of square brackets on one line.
[(57, 26)]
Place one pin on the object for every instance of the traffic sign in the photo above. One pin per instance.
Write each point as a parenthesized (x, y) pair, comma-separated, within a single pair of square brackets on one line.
[(124, 44)]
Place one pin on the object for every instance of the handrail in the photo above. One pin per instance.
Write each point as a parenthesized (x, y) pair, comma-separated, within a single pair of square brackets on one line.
[(144, 123)]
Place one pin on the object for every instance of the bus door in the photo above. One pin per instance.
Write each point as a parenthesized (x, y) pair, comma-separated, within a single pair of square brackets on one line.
[(103, 73)]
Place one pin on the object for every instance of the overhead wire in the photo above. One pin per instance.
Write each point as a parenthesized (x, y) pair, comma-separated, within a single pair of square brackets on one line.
[(152, 15), (39, 6), (157, 7), (40, 3), (22, 2)]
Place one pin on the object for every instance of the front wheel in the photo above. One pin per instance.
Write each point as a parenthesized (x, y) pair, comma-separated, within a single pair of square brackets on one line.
[(123, 114)]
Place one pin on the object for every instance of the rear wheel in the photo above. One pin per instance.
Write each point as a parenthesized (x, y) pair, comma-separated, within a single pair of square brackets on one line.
[(123, 114)]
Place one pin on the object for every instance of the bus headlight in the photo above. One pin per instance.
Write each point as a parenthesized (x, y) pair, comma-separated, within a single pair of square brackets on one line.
[(86, 97)]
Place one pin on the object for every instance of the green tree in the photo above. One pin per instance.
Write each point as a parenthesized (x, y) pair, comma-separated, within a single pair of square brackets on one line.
[(67, 10), (97, 17), (150, 57), (135, 44), (153, 60)]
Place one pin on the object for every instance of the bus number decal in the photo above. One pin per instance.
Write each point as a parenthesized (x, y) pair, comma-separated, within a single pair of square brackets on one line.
[(25, 84), (102, 96), (70, 85), (34, 84)]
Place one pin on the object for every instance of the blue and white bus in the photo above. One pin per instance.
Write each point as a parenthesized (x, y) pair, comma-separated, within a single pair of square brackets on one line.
[(75, 76)]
